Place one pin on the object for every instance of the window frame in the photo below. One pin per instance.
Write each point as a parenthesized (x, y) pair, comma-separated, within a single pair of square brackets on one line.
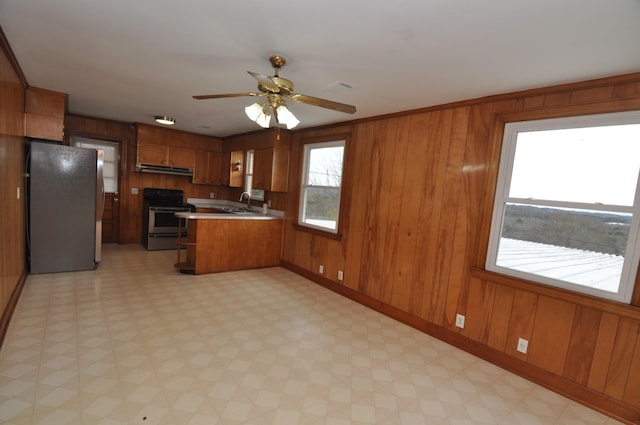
[(248, 171), (306, 150), (501, 198)]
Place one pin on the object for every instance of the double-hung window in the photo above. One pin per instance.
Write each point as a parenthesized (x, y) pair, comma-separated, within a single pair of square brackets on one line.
[(567, 205), (321, 185)]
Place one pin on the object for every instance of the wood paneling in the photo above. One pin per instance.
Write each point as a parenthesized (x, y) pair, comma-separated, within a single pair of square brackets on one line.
[(623, 348), (582, 344), (501, 313), (420, 188), (551, 334), (607, 333), (632, 391), (13, 267)]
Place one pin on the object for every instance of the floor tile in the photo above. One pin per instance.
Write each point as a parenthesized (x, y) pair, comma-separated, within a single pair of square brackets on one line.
[(135, 342)]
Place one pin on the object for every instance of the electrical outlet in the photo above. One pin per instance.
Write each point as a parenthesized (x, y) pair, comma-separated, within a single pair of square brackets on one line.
[(340, 275), (321, 269), (460, 321), (523, 345), (269, 203), (212, 195), (134, 190)]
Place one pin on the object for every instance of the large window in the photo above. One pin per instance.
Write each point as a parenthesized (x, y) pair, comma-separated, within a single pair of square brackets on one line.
[(567, 211), (321, 185)]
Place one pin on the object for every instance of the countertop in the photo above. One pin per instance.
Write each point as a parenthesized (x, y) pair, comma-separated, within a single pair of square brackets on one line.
[(216, 203), (257, 213), (227, 216)]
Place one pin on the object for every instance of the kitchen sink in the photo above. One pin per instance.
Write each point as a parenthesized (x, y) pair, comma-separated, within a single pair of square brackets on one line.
[(233, 210)]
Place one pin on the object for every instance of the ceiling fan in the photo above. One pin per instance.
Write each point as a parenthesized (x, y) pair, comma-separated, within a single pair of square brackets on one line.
[(275, 89)]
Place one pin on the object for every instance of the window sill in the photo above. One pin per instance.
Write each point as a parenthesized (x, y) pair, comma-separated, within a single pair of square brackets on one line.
[(317, 232), (561, 294)]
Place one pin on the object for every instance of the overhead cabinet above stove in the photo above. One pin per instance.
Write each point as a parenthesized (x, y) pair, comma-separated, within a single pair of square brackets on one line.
[(165, 151)]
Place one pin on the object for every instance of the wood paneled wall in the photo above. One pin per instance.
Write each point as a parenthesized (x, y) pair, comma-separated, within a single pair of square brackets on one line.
[(12, 211), (417, 199)]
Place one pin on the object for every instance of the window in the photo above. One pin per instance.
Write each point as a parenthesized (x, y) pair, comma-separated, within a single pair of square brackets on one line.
[(321, 185), (248, 176), (110, 165), (567, 208)]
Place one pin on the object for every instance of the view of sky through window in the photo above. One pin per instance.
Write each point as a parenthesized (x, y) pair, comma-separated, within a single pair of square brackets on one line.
[(590, 165)]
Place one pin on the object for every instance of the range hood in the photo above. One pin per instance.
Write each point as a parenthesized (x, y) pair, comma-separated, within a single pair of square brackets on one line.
[(162, 169)]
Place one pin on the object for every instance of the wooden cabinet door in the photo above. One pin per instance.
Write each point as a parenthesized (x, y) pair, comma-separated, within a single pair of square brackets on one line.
[(182, 157), (262, 168), (236, 175), (214, 175), (201, 168), (207, 168), (44, 113), (153, 154), (271, 169), (225, 168)]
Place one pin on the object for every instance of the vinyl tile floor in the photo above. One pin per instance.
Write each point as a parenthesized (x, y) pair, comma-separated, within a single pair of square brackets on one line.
[(135, 342)]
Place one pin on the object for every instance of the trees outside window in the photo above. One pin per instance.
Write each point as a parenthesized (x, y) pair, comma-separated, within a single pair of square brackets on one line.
[(321, 185)]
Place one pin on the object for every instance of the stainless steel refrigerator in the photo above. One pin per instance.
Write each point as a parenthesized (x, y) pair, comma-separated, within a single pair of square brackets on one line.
[(65, 206)]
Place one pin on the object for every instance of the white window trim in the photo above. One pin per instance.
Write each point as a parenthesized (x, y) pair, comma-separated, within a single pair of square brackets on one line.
[(248, 171), (303, 185), (632, 257)]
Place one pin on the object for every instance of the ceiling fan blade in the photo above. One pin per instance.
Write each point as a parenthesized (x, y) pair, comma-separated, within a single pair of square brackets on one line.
[(265, 83), (217, 96), (329, 104)]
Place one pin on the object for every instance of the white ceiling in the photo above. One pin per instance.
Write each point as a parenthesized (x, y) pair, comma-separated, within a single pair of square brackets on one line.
[(130, 60)]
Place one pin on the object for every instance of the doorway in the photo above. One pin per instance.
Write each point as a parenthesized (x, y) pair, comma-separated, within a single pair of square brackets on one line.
[(111, 214)]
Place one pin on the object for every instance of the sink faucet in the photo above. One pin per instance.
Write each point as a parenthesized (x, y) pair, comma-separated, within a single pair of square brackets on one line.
[(248, 199)]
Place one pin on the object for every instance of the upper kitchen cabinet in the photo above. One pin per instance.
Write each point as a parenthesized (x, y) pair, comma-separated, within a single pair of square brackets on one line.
[(270, 169), (235, 169), (44, 113), (208, 168), (160, 149), (270, 157), (165, 155)]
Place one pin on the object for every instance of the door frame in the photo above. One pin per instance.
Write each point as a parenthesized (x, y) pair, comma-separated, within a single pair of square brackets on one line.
[(122, 155)]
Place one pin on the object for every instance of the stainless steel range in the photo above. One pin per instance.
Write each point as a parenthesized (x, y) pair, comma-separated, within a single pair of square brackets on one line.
[(160, 226)]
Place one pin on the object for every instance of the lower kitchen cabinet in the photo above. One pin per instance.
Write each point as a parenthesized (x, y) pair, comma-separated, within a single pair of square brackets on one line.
[(218, 245)]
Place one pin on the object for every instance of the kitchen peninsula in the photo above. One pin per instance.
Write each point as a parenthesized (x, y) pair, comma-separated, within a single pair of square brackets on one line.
[(229, 238)]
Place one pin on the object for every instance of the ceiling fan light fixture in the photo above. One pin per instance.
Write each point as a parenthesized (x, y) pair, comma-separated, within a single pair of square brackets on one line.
[(286, 117), (257, 114), (161, 119)]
